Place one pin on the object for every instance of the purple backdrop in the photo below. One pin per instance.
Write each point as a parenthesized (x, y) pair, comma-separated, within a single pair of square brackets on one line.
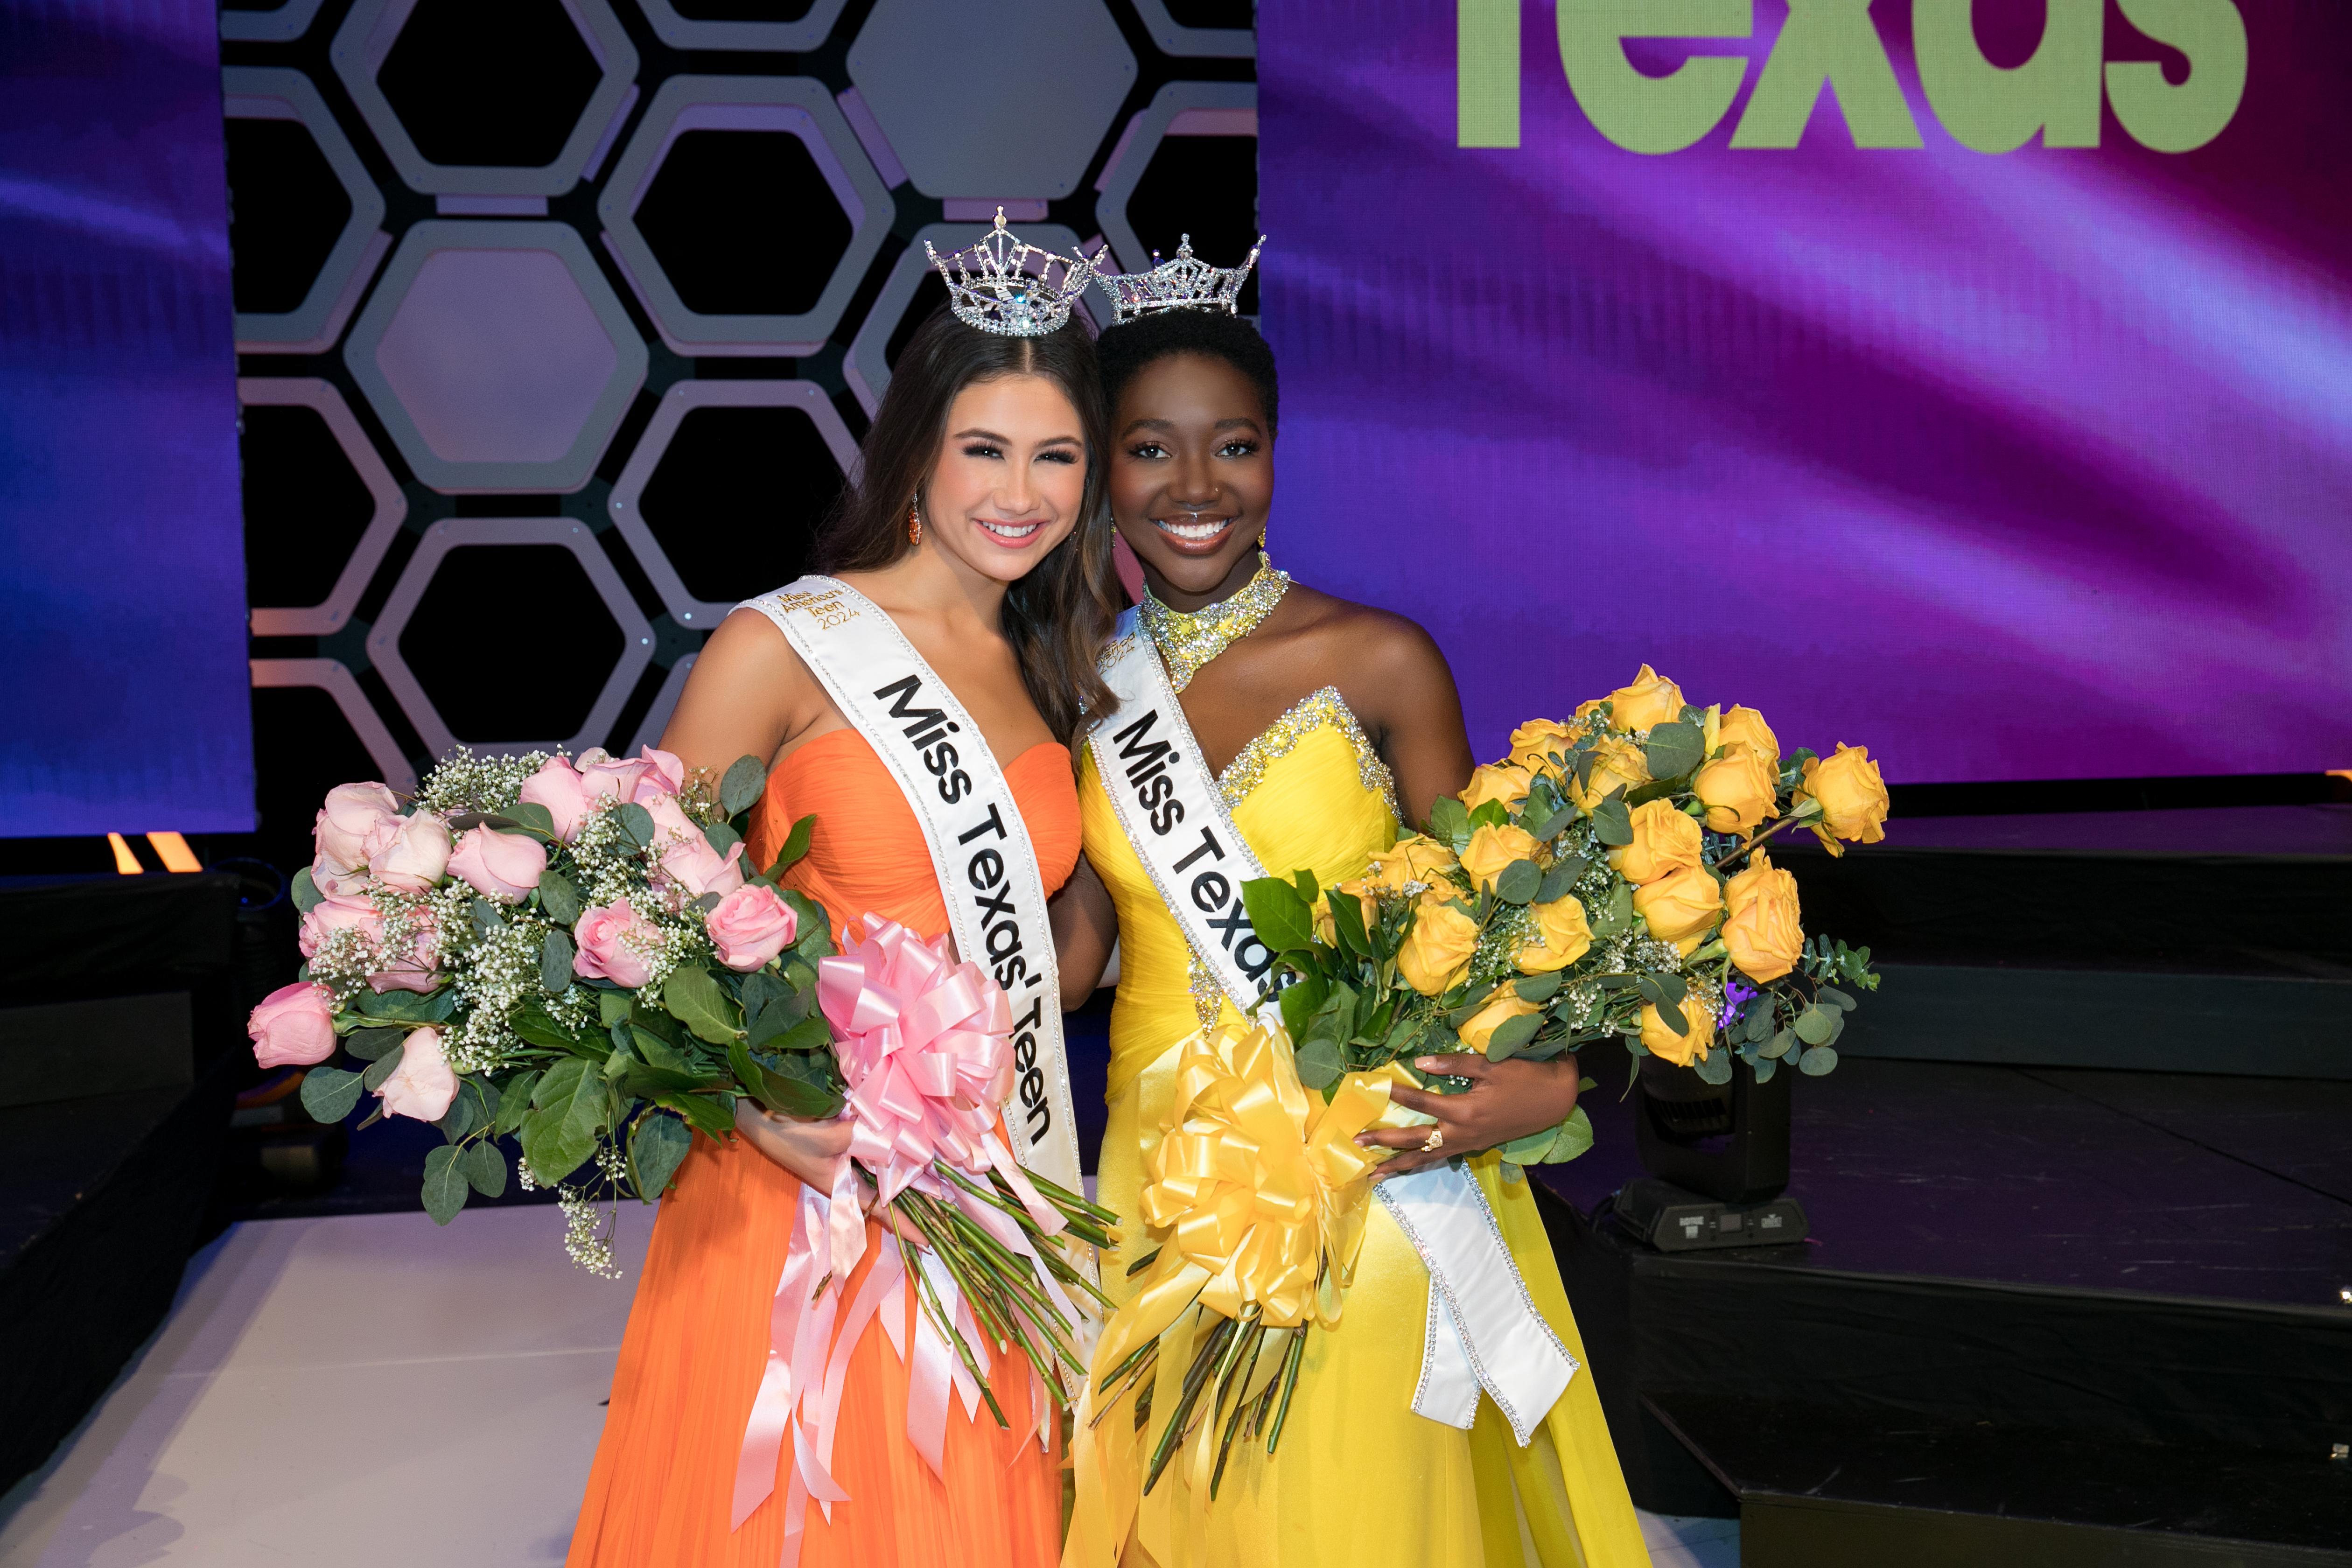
[(122, 647), (2035, 465)]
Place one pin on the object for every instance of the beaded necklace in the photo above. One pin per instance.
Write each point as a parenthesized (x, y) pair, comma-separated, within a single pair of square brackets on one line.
[(1190, 638)]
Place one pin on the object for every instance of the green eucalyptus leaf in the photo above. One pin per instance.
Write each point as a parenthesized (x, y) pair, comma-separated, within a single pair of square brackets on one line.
[(485, 1169), (1449, 822), (534, 819), (614, 1008), (1758, 1021), (1777, 1046), (1573, 1137), (635, 822), (1714, 1067), (306, 893), (1518, 882), (720, 837), (741, 786), (383, 1068), (1672, 986), (367, 1045), (1556, 823), (559, 898), (1319, 1063), (1511, 1034), (1838, 998), (555, 963), (445, 1183), (1764, 1067), (409, 1007), (329, 1093), (656, 1150), (1612, 824), (1816, 1025), (1489, 814), (1674, 750), (1539, 988), (464, 1112), (1561, 878), (1819, 1060), (1530, 1149)]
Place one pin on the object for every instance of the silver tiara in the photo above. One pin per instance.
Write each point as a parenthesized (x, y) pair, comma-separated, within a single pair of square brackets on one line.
[(1183, 283), (1004, 286)]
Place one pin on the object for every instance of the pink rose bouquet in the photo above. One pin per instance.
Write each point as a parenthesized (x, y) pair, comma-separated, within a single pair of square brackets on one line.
[(569, 953)]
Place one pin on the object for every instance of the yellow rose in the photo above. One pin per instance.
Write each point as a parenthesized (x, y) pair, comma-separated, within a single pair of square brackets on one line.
[(1650, 699), (1740, 790), (1505, 1004), (1437, 953), (1565, 938), (1413, 859), (1491, 848), (1503, 782), (1746, 727), (1853, 796), (1680, 907), (1664, 840), (1659, 1038), (1615, 762), (1587, 709), (1534, 744), (1762, 934)]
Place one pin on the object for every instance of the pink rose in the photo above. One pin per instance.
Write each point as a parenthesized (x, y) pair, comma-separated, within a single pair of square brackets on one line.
[(417, 856), (422, 1086), (750, 926), (356, 823), (501, 866), (418, 970), (293, 1026), (687, 859), (558, 786), (334, 914), (338, 883), (603, 951), (665, 774)]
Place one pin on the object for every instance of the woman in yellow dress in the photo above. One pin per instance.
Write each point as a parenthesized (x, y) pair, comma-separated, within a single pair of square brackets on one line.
[(1323, 720)]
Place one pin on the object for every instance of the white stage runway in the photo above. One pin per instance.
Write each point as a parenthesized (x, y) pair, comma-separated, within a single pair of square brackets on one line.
[(361, 1391)]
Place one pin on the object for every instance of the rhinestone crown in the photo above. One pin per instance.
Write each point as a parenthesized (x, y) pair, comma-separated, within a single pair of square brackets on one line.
[(1005, 286), (1182, 283)]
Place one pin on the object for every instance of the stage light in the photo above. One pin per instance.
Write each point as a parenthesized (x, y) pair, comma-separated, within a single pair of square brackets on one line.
[(124, 860), (174, 852)]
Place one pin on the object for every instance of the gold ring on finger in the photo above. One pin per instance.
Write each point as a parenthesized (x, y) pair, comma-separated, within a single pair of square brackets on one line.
[(1434, 1142)]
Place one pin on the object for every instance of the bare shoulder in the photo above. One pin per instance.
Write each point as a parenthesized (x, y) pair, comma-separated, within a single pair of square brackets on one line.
[(1371, 645)]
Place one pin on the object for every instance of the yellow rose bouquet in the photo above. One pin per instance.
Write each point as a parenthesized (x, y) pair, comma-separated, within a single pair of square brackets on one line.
[(1609, 877)]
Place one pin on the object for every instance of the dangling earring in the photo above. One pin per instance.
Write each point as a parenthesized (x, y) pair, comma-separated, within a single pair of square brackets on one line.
[(1264, 562), (914, 520)]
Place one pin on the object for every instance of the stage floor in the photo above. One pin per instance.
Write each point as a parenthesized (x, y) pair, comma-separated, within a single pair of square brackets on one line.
[(2165, 1183), (363, 1390)]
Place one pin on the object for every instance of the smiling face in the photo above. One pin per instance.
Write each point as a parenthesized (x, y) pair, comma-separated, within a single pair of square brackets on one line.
[(1192, 475), (1010, 478)]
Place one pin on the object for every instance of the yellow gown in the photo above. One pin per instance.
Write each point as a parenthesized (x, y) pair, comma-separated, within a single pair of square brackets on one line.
[(1359, 1480)]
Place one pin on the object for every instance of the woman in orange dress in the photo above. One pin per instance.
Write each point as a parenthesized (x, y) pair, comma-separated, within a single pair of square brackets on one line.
[(998, 573)]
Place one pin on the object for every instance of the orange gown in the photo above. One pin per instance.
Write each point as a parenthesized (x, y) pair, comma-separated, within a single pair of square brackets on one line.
[(662, 1483)]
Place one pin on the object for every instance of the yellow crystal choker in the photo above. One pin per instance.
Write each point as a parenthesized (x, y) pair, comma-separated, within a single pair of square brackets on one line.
[(1190, 638)]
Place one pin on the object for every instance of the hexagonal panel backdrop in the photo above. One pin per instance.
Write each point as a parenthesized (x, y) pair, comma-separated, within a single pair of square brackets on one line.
[(465, 639), (304, 216), (638, 269), (320, 509), (745, 214), (727, 489), (497, 356), (507, 98), (1020, 112)]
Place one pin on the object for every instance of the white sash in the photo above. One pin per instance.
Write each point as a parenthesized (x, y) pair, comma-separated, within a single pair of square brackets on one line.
[(979, 847), (1482, 1329), (1174, 814)]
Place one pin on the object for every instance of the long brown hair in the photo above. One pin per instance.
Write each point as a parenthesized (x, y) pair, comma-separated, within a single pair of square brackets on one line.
[(1059, 616)]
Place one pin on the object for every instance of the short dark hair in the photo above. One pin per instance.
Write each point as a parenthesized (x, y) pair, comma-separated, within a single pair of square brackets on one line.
[(1126, 350), (1059, 616)]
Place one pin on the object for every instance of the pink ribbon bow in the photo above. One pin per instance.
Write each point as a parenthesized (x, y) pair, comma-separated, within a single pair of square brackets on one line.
[(925, 1047)]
